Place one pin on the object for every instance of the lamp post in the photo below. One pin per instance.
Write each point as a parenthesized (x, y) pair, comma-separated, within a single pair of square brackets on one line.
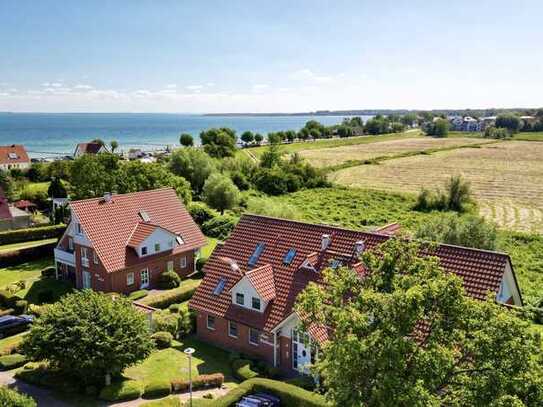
[(189, 352)]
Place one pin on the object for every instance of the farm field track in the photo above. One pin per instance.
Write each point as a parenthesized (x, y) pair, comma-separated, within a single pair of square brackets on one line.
[(327, 157), (506, 179)]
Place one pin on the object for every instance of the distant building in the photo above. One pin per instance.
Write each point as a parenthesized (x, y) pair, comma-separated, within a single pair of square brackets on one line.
[(13, 156), (89, 148), (466, 123), (11, 217)]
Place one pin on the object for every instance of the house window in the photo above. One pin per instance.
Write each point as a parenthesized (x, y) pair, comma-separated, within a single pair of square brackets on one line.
[(83, 252), (157, 247), (240, 299), (211, 322), (169, 266), (232, 329), (254, 336), (183, 262), (78, 228), (95, 257), (144, 251), (70, 244), (130, 278), (256, 303)]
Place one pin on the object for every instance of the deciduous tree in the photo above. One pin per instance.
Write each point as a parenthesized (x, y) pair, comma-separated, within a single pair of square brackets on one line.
[(220, 193)]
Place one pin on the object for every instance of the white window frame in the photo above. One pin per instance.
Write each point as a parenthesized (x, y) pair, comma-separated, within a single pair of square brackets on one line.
[(70, 244), (94, 257), (146, 272), (169, 265), (183, 262), (78, 228), (157, 247), (211, 328), (253, 304), (130, 279), (84, 252), (242, 297), (250, 341), (230, 326)]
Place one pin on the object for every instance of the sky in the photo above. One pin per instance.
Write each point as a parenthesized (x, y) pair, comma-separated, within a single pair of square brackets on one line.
[(268, 56)]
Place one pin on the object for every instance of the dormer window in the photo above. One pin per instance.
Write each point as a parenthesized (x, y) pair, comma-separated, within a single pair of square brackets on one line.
[(144, 251), (240, 299), (256, 303)]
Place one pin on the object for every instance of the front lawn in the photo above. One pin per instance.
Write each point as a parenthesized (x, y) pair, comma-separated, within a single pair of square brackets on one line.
[(171, 363), (26, 245), (25, 271)]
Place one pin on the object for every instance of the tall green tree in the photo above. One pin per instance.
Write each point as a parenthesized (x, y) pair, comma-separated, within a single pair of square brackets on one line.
[(114, 145), (247, 137), (406, 334), (219, 143), (194, 165), (258, 138), (220, 193), (57, 189), (509, 121), (186, 140), (89, 336), (93, 175)]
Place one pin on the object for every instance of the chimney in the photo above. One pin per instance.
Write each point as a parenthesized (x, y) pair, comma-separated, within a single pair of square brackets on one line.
[(107, 197), (358, 248), (325, 242)]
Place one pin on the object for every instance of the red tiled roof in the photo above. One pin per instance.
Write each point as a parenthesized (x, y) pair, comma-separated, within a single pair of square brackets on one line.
[(262, 280), (109, 225), (89, 148), (23, 204), (17, 150), (141, 232), (481, 271)]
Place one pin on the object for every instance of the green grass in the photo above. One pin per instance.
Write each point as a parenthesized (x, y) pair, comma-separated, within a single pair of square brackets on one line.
[(337, 142), (167, 364), (11, 340), (208, 249), (529, 136), (26, 271), (25, 245), (366, 209)]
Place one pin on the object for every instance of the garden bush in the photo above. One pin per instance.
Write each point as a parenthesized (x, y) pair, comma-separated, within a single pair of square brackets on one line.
[(46, 296), (168, 280), (243, 370), (125, 390), (164, 300), (201, 213), (290, 395), (199, 382), (11, 398), (165, 321), (157, 388), (187, 320), (172, 401), (220, 226), (138, 295), (19, 256), (162, 339), (40, 374), (49, 272), (36, 233), (13, 361), (20, 306), (174, 308), (200, 263)]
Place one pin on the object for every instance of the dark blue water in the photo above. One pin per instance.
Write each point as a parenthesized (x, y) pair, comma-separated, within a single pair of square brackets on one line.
[(43, 134)]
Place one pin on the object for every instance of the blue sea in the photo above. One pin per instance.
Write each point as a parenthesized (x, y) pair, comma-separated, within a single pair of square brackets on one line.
[(50, 135)]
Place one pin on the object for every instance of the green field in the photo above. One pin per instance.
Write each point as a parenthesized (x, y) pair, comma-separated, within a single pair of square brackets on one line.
[(366, 209)]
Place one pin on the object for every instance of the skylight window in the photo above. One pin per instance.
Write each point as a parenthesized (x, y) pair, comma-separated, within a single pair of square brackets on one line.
[(144, 216), (179, 240), (289, 256), (220, 286), (256, 254), (335, 264), (13, 156)]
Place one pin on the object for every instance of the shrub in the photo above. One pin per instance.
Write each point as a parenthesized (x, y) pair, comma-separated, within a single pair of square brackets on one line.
[(20, 306), (187, 321), (174, 308), (201, 213), (172, 401), (16, 257), (168, 280), (165, 299), (219, 227), (11, 398), (162, 339), (138, 295), (46, 296), (13, 361), (305, 382), (455, 197), (125, 390), (242, 369), (165, 321), (199, 382), (37, 233), (48, 272), (158, 388), (200, 263)]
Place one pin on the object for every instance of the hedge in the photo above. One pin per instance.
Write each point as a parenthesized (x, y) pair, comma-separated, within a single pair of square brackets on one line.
[(242, 369), (16, 257), (199, 382), (37, 233), (11, 398), (291, 396), (172, 401), (168, 280), (220, 226), (125, 390), (170, 297), (138, 295), (158, 388), (13, 361), (162, 339)]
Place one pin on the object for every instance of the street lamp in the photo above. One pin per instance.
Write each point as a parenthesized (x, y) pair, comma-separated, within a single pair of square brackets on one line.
[(189, 352)]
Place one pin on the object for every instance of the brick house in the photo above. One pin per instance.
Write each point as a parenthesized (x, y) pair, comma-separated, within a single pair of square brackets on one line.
[(14, 157), (122, 243), (245, 302), (89, 148)]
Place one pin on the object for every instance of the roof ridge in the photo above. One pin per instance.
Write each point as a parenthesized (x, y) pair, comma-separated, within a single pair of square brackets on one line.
[(113, 194)]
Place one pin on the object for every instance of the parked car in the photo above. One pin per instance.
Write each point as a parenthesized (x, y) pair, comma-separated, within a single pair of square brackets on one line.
[(12, 324), (259, 400)]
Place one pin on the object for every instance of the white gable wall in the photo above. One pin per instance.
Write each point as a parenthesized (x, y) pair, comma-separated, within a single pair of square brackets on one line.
[(164, 238), (509, 288), (245, 287), (79, 238)]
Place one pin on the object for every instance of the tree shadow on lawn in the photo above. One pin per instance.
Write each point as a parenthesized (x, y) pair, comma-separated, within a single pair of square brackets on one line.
[(47, 290)]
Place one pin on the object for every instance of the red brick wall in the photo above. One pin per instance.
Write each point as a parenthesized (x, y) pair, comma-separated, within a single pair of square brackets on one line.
[(219, 337)]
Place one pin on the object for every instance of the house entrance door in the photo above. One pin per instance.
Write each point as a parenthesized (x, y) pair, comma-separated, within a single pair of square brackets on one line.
[(144, 278)]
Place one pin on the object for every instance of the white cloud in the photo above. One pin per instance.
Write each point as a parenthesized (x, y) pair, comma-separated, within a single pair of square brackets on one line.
[(210, 84), (194, 88), (82, 86), (171, 86), (307, 75)]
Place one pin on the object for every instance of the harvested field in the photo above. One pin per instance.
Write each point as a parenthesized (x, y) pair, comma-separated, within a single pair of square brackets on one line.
[(507, 178), (327, 157)]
